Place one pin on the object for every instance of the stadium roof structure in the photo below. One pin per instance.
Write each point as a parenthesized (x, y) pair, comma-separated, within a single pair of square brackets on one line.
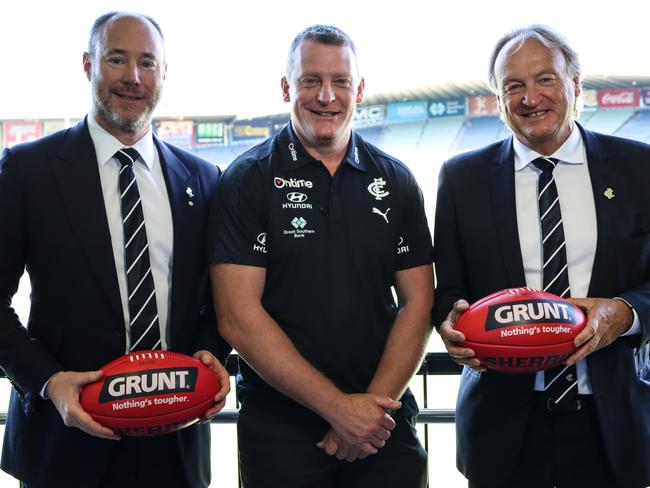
[(457, 89)]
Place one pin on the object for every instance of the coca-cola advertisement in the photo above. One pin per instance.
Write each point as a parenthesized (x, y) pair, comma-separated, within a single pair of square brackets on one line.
[(21, 131), (620, 97)]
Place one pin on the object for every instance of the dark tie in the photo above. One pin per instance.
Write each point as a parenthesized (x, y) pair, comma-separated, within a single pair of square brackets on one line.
[(143, 313), (561, 382)]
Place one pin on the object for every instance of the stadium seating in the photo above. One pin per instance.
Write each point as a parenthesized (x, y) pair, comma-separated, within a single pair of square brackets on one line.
[(608, 121), (637, 127)]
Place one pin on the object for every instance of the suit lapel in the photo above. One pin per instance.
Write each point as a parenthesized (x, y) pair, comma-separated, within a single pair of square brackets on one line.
[(77, 175), (184, 193), (609, 212), (505, 212)]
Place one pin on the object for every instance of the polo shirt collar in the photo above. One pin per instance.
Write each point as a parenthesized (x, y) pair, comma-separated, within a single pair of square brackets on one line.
[(294, 154)]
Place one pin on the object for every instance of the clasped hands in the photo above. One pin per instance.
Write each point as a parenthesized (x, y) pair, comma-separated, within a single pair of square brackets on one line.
[(360, 426)]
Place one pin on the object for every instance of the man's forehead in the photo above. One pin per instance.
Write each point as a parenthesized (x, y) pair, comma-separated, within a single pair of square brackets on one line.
[(312, 55), (308, 46), (127, 28), (512, 49)]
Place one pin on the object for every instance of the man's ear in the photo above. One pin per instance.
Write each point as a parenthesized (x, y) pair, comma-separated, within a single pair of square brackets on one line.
[(87, 64), (284, 83)]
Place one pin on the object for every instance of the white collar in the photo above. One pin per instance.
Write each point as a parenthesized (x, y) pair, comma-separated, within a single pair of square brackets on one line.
[(572, 151), (106, 145)]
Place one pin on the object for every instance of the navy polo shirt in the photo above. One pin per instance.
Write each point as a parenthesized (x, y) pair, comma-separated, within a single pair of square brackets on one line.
[(330, 244)]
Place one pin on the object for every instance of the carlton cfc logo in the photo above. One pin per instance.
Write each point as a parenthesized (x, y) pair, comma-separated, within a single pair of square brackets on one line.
[(376, 189)]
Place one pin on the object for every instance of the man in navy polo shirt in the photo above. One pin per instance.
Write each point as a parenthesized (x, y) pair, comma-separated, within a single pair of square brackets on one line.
[(311, 230)]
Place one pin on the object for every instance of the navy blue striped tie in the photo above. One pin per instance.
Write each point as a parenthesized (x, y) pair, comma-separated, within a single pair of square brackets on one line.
[(143, 312), (561, 382)]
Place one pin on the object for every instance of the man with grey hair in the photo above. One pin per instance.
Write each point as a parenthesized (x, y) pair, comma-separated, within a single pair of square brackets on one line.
[(560, 208), (109, 223), (311, 230)]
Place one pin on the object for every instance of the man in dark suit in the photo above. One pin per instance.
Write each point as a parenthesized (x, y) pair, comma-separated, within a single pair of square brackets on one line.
[(488, 236), (61, 219)]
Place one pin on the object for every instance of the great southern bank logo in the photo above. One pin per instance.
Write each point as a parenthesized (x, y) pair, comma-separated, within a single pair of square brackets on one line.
[(298, 223)]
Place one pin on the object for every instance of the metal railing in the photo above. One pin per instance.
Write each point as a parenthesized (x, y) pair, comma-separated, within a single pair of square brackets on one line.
[(435, 363)]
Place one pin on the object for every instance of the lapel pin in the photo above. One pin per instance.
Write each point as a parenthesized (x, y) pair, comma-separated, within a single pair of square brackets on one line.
[(609, 193), (189, 192)]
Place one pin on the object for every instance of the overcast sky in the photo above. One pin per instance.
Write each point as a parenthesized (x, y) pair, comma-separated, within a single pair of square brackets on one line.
[(228, 57)]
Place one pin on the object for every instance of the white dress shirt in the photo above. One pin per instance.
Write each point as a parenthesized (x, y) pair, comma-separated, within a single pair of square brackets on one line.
[(579, 221), (157, 216)]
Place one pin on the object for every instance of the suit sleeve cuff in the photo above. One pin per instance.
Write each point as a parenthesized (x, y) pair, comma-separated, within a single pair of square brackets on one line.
[(636, 323), (43, 391)]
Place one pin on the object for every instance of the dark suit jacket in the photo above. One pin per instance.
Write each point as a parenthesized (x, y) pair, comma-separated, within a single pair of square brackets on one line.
[(53, 222), (477, 252)]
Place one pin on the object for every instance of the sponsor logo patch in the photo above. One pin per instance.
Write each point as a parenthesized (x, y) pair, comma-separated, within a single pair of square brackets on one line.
[(292, 150), (296, 197), (299, 230), (297, 200), (280, 182), (261, 247), (401, 247), (384, 215)]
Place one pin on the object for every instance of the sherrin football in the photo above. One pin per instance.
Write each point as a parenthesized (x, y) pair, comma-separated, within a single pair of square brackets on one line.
[(148, 393), (519, 330)]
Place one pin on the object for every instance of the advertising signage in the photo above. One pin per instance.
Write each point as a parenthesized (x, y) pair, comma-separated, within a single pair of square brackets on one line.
[(407, 111), (369, 116), (16, 132), (483, 105), (447, 108), (177, 132), (250, 130), (618, 98), (210, 133), (645, 96)]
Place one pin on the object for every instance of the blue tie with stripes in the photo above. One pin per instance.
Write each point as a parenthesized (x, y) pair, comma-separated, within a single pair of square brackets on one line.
[(143, 313), (561, 382)]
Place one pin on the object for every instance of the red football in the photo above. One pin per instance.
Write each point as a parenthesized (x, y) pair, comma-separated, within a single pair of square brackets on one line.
[(149, 393), (520, 330)]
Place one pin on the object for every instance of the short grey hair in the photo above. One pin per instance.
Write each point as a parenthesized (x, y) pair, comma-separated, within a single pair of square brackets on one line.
[(544, 35), (103, 19), (322, 34)]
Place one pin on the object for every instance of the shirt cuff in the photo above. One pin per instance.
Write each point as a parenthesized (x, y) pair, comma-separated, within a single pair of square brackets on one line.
[(636, 323), (44, 389)]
